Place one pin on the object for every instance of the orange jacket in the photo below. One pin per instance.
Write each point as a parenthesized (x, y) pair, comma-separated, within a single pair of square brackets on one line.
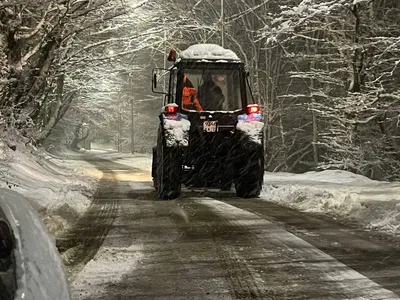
[(189, 98)]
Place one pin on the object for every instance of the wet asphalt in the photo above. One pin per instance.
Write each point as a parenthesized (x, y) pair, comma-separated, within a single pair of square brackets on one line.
[(213, 245)]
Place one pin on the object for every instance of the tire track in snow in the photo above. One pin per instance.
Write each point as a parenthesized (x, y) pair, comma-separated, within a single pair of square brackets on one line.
[(317, 267), (244, 281), (81, 243), (373, 254)]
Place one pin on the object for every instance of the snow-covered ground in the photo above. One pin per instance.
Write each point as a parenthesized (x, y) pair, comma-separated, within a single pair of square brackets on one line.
[(341, 194), (61, 189)]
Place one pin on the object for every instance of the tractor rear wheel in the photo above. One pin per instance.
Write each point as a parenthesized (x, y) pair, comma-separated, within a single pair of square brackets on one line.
[(249, 176), (168, 170)]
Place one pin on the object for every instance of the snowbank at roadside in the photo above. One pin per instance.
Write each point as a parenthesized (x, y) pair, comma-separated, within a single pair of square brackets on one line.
[(342, 194), (59, 194)]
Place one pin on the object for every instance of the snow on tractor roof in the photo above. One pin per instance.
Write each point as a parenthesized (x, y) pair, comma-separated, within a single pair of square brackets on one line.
[(208, 52)]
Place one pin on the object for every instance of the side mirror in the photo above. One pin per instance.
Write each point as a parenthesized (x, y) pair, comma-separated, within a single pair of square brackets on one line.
[(157, 73), (154, 80)]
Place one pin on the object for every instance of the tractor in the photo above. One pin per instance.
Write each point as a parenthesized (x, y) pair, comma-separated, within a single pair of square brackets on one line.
[(211, 130)]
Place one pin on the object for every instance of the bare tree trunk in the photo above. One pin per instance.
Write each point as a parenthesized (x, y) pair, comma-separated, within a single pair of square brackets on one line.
[(358, 56), (61, 105), (77, 138), (273, 68), (315, 139), (312, 49)]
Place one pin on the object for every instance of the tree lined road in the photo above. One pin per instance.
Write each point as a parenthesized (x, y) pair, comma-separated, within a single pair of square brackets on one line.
[(210, 245)]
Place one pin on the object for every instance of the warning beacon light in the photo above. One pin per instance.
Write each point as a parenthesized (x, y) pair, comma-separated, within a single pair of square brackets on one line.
[(172, 55)]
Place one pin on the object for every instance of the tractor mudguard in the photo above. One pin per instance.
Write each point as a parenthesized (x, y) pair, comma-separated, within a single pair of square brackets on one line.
[(175, 129), (250, 130)]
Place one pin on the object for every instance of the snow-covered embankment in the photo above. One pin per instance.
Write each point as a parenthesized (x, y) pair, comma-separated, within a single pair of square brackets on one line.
[(59, 194), (341, 194)]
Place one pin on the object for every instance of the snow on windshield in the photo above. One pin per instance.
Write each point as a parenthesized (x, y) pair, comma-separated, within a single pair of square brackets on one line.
[(208, 51)]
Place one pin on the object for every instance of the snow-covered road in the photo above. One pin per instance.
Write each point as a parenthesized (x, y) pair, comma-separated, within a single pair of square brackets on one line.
[(210, 245)]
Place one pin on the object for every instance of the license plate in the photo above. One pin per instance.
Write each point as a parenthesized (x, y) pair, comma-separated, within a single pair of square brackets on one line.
[(210, 126)]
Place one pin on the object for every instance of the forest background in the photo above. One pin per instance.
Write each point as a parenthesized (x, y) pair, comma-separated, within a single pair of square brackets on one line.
[(326, 72)]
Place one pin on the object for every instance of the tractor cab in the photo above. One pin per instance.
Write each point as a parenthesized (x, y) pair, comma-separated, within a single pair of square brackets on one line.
[(206, 78)]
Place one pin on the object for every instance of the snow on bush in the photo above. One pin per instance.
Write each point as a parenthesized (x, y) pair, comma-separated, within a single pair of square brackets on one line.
[(341, 194), (59, 194), (177, 132)]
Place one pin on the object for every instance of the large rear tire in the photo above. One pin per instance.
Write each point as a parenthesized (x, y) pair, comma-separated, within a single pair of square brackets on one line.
[(168, 170), (154, 167), (249, 176)]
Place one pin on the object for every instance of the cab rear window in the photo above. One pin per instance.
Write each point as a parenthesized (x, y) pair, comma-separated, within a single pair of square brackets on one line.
[(211, 90)]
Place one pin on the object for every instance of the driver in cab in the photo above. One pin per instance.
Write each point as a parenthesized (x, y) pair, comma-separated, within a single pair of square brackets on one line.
[(210, 94), (189, 96)]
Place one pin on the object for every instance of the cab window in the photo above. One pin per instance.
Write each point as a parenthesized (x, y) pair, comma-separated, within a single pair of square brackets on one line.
[(211, 90)]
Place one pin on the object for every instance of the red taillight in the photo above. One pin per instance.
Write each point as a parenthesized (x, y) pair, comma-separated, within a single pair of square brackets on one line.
[(171, 109), (253, 109)]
